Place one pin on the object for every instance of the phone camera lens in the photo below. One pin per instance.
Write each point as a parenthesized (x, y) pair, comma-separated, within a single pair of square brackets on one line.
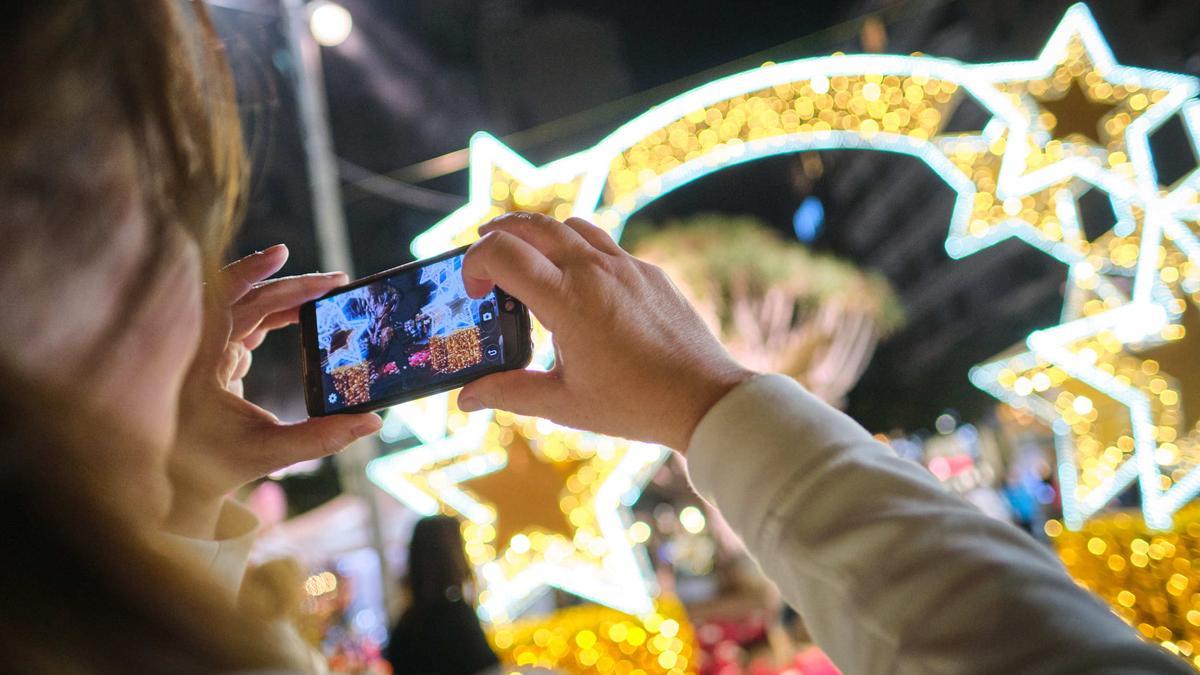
[(510, 305)]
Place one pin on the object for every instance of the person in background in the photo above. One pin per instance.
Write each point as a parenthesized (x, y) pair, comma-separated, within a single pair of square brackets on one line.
[(439, 632), (890, 572)]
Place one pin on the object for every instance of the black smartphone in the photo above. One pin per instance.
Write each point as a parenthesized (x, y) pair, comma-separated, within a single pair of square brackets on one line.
[(406, 333)]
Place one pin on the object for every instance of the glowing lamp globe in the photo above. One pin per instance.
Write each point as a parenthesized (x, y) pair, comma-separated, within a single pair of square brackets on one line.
[(330, 23)]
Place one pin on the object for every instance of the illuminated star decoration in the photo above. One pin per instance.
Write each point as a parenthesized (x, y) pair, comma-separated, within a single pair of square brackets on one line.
[(447, 306), (1075, 64), (1141, 433), (1076, 113), (1020, 176), (537, 513), (343, 314), (534, 507)]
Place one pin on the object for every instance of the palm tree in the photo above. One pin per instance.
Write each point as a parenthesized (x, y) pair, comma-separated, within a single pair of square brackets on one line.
[(776, 305)]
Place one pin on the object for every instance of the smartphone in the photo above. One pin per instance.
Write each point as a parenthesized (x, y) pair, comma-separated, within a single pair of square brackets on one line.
[(406, 333)]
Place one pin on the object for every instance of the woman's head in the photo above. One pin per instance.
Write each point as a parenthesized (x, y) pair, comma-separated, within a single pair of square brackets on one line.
[(437, 565), (120, 170), (120, 177)]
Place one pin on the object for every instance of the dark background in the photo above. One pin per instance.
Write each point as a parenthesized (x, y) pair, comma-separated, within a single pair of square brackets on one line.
[(418, 77)]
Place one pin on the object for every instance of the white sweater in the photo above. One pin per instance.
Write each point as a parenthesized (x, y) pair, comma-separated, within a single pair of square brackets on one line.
[(892, 573)]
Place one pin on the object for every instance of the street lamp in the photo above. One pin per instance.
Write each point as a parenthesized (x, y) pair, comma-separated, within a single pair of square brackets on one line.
[(329, 22)]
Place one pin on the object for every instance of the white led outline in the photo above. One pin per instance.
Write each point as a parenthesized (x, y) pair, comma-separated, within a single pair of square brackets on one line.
[(985, 376), (624, 583), (591, 167), (1079, 22)]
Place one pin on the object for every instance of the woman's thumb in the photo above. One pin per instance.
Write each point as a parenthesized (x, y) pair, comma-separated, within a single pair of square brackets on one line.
[(316, 437), (524, 392)]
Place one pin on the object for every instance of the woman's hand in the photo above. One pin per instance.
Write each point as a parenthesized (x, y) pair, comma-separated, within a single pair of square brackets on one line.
[(224, 441), (633, 359)]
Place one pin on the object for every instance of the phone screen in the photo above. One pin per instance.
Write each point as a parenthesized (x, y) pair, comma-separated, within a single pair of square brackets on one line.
[(414, 329)]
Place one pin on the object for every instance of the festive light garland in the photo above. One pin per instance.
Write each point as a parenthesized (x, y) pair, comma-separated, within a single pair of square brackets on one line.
[(1014, 178), (1147, 576), (601, 640)]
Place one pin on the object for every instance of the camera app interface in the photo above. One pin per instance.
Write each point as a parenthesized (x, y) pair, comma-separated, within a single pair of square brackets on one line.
[(409, 330)]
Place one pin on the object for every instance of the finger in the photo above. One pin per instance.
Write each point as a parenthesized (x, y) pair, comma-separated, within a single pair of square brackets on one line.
[(596, 236), (524, 392), (276, 295), (228, 363), (245, 359), (255, 338), (239, 277), (315, 437), (285, 317), (556, 241), (505, 260)]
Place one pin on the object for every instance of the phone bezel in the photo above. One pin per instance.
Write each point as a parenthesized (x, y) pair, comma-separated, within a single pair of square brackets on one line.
[(515, 328)]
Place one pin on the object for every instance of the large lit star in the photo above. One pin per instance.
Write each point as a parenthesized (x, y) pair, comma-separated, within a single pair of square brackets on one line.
[(526, 493), (1076, 120), (1092, 437), (1151, 429), (500, 181), (537, 514), (1047, 220), (1114, 380), (1074, 83), (1076, 113)]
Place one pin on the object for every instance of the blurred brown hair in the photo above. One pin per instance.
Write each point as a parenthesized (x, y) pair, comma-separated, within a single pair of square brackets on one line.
[(102, 91), (112, 110), (109, 108)]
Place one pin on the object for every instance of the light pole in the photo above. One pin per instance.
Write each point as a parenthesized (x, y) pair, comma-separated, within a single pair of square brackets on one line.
[(333, 241)]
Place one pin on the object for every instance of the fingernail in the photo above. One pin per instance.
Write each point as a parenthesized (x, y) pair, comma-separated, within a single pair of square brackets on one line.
[(274, 249), (469, 404)]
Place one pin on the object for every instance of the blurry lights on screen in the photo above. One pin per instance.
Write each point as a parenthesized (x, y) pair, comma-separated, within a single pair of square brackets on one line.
[(639, 532), (809, 218), (692, 519), (330, 23)]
